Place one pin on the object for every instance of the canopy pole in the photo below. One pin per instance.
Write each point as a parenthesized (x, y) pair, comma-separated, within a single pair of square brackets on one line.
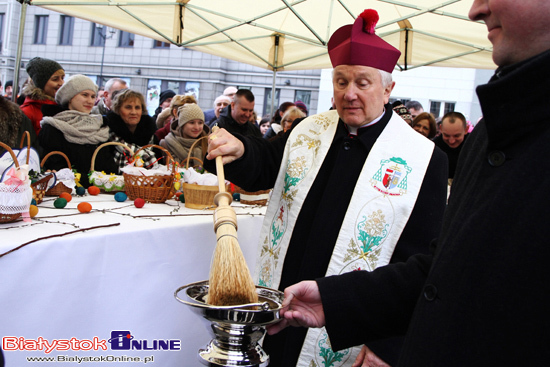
[(15, 86), (276, 53)]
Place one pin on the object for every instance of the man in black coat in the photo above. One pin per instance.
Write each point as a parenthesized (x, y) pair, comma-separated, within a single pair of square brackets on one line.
[(454, 132), (482, 298), (235, 118)]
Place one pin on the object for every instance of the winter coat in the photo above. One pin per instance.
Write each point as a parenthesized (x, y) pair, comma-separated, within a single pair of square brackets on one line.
[(228, 123), (483, 298), (34, 100), (80, 155), (143, 135)]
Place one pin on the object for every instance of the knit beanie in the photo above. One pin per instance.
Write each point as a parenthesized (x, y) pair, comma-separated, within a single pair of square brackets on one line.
[(41, 70), (302, 106), (164, 95), (188, 112), (403, 112), (74, 85)]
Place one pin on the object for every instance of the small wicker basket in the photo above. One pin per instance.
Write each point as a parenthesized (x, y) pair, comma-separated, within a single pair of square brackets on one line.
[(198, 196), (92, 167), (253, 198), (153, 189), (59, 187), (40, 186), (7, 218)]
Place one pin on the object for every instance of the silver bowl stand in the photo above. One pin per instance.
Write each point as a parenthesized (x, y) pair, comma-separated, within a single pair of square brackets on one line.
[(236, 330)]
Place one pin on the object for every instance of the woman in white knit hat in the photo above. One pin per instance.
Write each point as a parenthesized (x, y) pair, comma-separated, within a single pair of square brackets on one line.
[(185, 131), (70, 128)]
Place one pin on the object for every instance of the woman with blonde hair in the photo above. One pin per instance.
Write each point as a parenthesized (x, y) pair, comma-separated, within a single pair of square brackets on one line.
[(291, 114)]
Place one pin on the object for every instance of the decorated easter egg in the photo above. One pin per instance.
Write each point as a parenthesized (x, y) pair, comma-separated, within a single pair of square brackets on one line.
[(66, 196), (120, 197), (139, 203), (60, 203), (237, 196), (93, 190), (84, 207), (80, 191), (33, 202), (181, 198), (33, 210)]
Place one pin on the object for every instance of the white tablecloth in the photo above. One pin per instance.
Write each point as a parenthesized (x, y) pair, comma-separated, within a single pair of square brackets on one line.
[(120, 278)]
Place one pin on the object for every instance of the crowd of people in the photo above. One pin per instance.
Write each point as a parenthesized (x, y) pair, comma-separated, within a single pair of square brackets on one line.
[(71, 117)]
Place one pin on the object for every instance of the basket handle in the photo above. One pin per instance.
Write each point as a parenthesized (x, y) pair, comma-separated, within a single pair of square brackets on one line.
[(105, 144), (191, 151), (192, 159), (27, 135), (56, 152), (170, 158), (11, 153)]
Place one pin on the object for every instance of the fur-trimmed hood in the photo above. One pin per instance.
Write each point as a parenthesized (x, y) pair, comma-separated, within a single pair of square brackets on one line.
[(10, 122), (33, 92)]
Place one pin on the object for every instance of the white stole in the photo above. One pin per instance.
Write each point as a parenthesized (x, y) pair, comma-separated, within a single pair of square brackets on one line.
[(378, 211)]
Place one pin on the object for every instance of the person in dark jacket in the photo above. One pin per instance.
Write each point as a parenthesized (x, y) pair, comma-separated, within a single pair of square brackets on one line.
[(354, 189), (481, 298), (454, 132), (130, 124), (235, 117), (13, 124), (164, 102), (69, 127)]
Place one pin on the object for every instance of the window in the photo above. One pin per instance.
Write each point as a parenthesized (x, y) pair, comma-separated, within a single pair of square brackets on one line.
[(126, 39), (435, 108), (160, 44), (449, 107), (98, 35), (304, 96), (1, 29), (267, 101), (439, 108), (403, 100), (66, 30), (40, 29), (155, 86)]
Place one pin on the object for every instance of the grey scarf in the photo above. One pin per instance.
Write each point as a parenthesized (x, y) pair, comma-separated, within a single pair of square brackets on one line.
[(179, 148), (78, 127)]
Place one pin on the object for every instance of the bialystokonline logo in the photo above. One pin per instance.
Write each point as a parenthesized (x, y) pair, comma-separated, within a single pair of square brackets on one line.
[(119, 340)]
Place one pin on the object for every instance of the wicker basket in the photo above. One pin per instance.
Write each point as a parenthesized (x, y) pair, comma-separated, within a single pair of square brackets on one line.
[(40, 186), (152, 189), (92, 167), (7, 218), (253, 198), (198, 196), (59, 187)]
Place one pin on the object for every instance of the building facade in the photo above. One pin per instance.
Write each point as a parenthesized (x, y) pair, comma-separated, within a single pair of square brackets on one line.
[(149, 66)]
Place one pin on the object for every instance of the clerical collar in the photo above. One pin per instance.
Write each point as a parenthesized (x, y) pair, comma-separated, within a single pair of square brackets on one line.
[(353, 130)]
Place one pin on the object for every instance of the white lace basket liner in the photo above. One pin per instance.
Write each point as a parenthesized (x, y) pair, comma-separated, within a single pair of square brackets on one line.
[(15, 198), (107, 182)]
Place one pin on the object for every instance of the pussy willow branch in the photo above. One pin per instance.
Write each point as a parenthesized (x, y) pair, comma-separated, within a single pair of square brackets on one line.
[(58, 235)]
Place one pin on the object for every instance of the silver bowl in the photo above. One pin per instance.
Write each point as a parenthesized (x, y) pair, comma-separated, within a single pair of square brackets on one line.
[(236, 330)]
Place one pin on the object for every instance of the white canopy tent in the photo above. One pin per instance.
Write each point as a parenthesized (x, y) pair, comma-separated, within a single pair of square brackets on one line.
[(293, 34)]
